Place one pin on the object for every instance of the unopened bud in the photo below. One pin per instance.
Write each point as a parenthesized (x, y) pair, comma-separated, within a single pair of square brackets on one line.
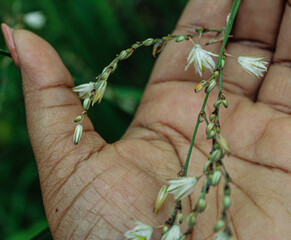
[(114, 66), (180, 218), (162, 195), (165, 229), (191, 219), (212, 117), (216, 155), (180, 38), (217, 104), (201, 205), (78, 133), (216, 177), (222, 64), (211, 85), (199, 29), (215, 74), (218, 129), (209, 128), (211, 134), (86, 104), (223, 143), (148, 42), (122, 55), (225, 103), (226, 202), (206, 166), (219, 225), (78, 119), (105, 75)]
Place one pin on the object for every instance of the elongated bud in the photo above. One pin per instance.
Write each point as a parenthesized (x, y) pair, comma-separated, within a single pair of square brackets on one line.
[(114, 66), (217, 104), (201, 205), (216, 177), (180, 217), (201, 85), (122, 55), (209, 128), (222, 63), (162, 195), (219, 225), (78, 119), (105, 75), (212, 84), (226, 202), (100, 90), (148, 42), (78, 133), (206, 166), (191, 219), (218, 129), (86, 104), (180, 38), (199, 29), (216, 155), (211, 134), (225, 103), (215, 74), (223, 143)]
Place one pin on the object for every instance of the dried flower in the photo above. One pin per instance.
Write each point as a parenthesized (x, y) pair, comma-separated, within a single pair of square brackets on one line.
[(201, 59), (223, 143), (181, 187), (100, 90), (162, 195), (84, 89), (173, 234), (141, 231), (222, 235), (253, 65)]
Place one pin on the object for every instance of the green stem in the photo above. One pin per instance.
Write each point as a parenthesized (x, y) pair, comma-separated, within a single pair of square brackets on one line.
[(219, 91), (5, 53), (194, 135)]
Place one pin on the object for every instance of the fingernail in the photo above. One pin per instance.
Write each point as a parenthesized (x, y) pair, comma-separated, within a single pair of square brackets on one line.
[(7, 33)]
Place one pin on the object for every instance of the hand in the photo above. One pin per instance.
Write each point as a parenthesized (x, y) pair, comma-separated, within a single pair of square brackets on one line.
[(90, 191)]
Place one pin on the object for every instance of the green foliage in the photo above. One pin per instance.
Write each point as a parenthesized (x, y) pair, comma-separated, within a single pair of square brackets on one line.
[(87, 35)]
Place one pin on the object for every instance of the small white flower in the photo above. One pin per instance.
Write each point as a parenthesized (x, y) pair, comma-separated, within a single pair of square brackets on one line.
[(222, 235), (100, 90), (140, 232), (181, 187), (173, 234), (78, 133), (34, 19), (201, 59), (253, 65), (84, 89), (162, 195)]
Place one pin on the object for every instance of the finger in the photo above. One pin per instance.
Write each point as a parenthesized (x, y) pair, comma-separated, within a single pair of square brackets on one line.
[(276, 88), (50, 104)]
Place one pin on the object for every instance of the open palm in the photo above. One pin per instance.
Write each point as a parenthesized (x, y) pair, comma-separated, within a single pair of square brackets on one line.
[(91, 190)]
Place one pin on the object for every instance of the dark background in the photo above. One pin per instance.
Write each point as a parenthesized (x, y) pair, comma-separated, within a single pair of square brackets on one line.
[(87, 34)]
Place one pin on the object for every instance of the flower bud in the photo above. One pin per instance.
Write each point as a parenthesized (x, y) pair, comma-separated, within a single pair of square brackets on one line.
[(219, 225), (86, 104), (223, 143), (180, 38), (201, 205), (162, 195), (148, 42), (226, 202), (78, 133), (216, 155), (209, 128), (225, 103), (165, 229), (212, 84), (180, 217), (212, 117), (122, 55), (105, 75), (216, 177), (218, 129), (217, 104), (191, 219), (222, 64), (114, 66), (199, 29), (206, 166), (78, 119), (211, 134)]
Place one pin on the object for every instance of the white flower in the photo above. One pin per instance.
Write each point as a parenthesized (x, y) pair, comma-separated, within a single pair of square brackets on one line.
[(201, 59), (84, 89), (181, 187), (253, 65), (162, 195), (173, 234), (34, 19), (222, 235), (140, 232)]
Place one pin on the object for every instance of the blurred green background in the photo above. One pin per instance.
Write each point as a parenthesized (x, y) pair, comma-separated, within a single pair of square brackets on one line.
[(87, 34)]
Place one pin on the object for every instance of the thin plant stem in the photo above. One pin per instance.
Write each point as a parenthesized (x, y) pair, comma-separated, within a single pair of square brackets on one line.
[(5, 53)]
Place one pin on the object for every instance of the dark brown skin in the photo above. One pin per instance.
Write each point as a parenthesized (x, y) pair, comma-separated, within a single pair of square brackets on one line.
[(91, 190)]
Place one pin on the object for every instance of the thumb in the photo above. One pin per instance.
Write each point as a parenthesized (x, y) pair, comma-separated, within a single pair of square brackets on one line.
[(51, 106)]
